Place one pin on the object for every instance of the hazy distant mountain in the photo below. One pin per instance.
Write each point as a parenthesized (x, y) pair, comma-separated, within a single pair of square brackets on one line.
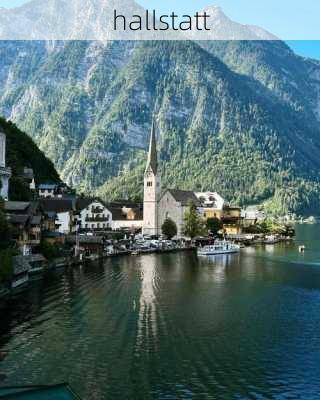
[(239, 117), (93, 20)]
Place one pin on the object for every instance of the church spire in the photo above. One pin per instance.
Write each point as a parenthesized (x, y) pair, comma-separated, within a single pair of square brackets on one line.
[(153, 156)]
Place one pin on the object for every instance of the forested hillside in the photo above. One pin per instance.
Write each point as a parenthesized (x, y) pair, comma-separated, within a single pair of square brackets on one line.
[(240, 118), (22, 152)]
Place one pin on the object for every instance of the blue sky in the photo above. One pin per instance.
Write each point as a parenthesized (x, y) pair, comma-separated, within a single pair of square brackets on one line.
[(301, 19)]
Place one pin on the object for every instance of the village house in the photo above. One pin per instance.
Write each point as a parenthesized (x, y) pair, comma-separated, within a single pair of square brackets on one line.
[(26, 218), (93, 214), (47, 190), (126, 217), (63, 212), (5, 172)]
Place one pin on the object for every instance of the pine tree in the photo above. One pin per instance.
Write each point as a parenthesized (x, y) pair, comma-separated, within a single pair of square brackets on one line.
[(193, 223)]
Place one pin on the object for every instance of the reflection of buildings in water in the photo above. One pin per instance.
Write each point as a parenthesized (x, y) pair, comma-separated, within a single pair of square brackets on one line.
[(221, 264), (147, 319), (269, 248)]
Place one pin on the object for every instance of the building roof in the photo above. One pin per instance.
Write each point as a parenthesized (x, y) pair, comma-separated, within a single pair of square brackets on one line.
[(20, 219), (56, 205), (185, 197), (36, 220), (47, 186), (84, 202), (16, 206), (152, 162)]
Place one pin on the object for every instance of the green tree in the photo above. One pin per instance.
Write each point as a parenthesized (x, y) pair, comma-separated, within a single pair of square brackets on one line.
[(169, 228), (214, 225), (193, 223)]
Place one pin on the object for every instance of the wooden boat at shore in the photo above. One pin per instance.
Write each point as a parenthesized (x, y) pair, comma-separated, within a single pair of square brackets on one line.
[(46, 392)]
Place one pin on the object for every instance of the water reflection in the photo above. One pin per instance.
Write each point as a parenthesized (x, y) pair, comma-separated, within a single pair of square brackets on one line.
[(173, 326), (147, 314)]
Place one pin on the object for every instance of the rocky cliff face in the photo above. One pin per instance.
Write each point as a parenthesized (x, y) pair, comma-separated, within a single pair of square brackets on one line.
[(238, 117)]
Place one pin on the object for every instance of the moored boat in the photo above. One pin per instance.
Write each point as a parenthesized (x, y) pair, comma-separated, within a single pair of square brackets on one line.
[(221, 247)]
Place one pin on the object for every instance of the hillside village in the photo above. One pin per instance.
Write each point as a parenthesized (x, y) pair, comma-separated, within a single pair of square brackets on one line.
[(59, 222)]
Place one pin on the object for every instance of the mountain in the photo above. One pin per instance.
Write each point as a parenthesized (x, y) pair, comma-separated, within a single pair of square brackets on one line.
[(93, 20), (23, 152), (239, 117)]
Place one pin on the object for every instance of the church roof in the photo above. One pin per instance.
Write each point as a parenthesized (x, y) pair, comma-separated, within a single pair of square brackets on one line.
[(184, 196), (152, 156)]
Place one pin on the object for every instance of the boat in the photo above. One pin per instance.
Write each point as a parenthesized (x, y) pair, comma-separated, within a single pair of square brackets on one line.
[(221, 247), (271, 239), (46, 392)]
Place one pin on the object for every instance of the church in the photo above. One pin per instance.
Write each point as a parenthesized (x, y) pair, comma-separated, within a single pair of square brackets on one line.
[(158, 206), (5, 173)]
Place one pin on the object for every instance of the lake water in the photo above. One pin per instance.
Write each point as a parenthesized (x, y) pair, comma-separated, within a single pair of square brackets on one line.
[(174, 326)]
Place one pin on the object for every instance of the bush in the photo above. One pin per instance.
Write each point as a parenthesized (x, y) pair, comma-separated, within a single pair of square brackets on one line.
[(169, 228)]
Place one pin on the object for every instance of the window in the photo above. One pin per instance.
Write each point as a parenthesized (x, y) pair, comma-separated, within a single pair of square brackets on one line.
[(149, 184)]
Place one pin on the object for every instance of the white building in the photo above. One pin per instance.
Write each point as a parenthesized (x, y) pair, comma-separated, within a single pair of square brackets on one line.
[(152, 189), (5, 173), (93, 214), (47, 190), (125, 218), (210, 200), (64, 210)]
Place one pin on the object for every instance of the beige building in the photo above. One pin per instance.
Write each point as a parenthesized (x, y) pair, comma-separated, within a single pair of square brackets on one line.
[(173, 204)]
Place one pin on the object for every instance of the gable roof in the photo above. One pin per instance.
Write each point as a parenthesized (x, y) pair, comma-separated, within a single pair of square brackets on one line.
[(56, 205), (84, 202), (47, 186), (16, 205), (184, 197)]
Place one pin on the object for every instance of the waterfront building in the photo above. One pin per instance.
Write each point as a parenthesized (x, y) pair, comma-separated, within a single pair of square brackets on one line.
[(63, 210), (127, 218), (93, 214), (173, 204), (26, 218), (5, 172), (152, 189)]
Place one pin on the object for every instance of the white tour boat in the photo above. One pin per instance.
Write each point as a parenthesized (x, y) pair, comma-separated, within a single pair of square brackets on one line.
[(221, 247)]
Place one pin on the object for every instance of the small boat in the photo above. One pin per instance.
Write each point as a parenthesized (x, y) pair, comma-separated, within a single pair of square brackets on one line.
[(271, 239), (58, 392), (221, 247)]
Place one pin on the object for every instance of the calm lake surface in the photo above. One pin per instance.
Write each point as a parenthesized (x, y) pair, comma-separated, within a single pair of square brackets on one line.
[(174, 326)]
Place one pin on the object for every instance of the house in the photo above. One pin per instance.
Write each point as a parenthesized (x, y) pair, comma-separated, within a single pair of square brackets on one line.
[(26, 218), (127, 218), (87, 244), (212, 204), (173, 204), (63, 210), (5, 173), (232, 220), (93, 214), (253, 214), (28, 176), (47, 190)]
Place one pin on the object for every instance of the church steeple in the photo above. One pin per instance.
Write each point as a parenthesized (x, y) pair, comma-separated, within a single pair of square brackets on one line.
[(152, 162), (152, 188)]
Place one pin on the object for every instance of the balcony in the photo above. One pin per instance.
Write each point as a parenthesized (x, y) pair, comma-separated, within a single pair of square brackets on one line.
[(97, 219)]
